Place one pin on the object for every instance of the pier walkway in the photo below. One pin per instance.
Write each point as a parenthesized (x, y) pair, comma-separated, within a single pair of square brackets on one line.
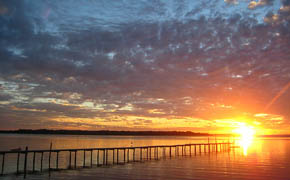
[(33, 161)]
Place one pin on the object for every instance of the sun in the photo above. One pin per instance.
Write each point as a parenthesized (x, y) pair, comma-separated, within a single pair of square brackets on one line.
[(245, 131)]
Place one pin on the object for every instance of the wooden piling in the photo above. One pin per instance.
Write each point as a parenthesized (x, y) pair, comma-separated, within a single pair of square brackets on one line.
[(49, 157), (33, 162), (18, 157), (140, 154), (117, 156), (57, 155), (209, 148), (124, 155), (113, 156), (84, 165), (98, 157), (3, 164), (91, 158), (107, 154), (104, 153), (128, 155), (134, 155), (76, 159), (216, 147), (157, 152), (41, 161), (25, 161), (69, 160)]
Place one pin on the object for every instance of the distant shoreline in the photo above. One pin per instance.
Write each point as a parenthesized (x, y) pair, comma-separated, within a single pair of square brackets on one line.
[(121, 133), (107, 132)]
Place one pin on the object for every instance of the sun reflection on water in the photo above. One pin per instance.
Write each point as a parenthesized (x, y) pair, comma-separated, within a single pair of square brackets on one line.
[(246, 137)]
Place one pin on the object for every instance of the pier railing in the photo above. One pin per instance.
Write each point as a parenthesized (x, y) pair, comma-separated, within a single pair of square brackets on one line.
[(99, 156)]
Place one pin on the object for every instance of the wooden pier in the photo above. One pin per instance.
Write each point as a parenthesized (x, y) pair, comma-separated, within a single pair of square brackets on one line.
[(103, 156)]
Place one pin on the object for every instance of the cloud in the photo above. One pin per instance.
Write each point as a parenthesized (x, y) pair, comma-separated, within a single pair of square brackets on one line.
[(191, 65), (231, 1), (260, 3)]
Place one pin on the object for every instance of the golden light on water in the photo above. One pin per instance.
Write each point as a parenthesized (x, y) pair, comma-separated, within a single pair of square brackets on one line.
[(246, 134)]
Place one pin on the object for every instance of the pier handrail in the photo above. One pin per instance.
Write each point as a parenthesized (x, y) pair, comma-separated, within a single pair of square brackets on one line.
[(207, 148), (108, 148)]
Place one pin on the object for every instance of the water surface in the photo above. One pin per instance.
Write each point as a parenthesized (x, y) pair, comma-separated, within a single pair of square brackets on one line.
[(267, 158)]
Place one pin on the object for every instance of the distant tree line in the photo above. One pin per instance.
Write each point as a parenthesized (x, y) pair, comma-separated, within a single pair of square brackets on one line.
[(106, 132)]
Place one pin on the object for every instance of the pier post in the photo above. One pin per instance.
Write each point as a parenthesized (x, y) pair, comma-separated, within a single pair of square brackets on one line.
[(76, 159), (25, 161), (216, 147), (107, 153), (140, 154), (113, 156), (104, 156), (204, 148), (170, 151), (91, 158), (124, 155), (69, 160), (117, 156), (134, 155), (84, 158), (209, 148), (157, 153), (182, 149), (49, 158), (57, 155), (195, 150), (190, 150), (199, 148), (3, 163), (98, 157), (150, 153), (147, 153), (33, 162), (128, 155), (17, 168), (41, 161)]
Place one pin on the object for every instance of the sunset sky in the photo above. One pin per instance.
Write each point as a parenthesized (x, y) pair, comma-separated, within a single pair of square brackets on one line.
[(194, 65)]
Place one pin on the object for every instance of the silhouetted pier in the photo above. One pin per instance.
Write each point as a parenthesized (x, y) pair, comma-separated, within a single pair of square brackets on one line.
[(90, 157)]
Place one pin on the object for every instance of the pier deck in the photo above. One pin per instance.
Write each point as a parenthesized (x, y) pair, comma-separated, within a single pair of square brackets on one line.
[(103, 156)]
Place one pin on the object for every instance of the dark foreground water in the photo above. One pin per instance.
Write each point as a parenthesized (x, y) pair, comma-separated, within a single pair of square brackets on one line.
[(257, 159)]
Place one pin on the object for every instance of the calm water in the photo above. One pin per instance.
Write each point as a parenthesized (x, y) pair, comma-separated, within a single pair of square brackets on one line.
[(259, 159)]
